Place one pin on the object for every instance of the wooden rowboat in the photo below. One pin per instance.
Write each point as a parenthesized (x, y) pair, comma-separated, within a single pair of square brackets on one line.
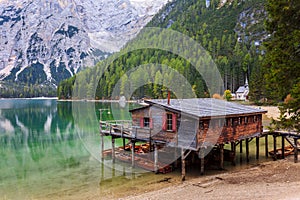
[(287, 151)]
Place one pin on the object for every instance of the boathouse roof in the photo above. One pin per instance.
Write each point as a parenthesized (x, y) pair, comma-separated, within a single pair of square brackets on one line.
[(205, 107)]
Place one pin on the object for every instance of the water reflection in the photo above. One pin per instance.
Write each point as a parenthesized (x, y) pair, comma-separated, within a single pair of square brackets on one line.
[(39, 146), (50, 148)]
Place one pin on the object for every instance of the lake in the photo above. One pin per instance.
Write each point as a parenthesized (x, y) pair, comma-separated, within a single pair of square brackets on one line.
[(51, 150)]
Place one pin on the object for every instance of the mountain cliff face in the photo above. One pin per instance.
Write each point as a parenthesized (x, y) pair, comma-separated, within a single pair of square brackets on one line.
[(46, 41), (231, 31)]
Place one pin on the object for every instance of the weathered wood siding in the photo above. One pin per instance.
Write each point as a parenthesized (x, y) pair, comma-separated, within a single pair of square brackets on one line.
[(233, 129), (156, 115), (193, 133), (187, 132), (138, 114)]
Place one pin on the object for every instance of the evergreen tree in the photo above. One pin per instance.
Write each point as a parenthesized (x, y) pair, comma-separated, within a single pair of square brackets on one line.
[(282, 61)]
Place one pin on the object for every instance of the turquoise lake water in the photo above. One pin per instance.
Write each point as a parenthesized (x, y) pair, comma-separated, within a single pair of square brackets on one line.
[(51, 150)]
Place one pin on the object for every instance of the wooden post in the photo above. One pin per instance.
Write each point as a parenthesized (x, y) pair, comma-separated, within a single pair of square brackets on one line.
[(247, 150), (113, 170), (266, 146), (124, 143), (221, 146), (176, 157), (241, 146), (295, 150), (241, 151), (122, 131), (233, 150), (182, 165), (257, 148), (201, 161), (275, 148), (132, 153), (282, 146), (155, 159), (113, 149), (102, 171), (102, 147)]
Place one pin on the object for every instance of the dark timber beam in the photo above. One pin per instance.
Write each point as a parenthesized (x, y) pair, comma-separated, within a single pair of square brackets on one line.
[(102, 147), (221, 146), (241, 151), (247, 150), (182, 165), (201, 155), (282, 147), (266, 146), (257, 148), (233, 150), (155, 159), (241, 146), (132, 153), (295, 151), (113, 154), (275, 147)]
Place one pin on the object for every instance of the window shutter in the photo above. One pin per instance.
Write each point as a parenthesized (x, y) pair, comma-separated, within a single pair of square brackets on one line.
[(151, 123), (142, 122), (174, 122), (164, 122)]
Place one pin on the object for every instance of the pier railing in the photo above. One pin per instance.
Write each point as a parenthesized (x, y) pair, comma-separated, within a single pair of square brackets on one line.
[(125, 129)]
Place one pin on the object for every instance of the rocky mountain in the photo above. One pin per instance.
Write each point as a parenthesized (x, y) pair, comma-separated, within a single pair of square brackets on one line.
[(46, 41), (231, 31)]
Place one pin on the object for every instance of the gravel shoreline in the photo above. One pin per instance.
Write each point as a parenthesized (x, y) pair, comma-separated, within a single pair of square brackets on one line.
[(270, 180)]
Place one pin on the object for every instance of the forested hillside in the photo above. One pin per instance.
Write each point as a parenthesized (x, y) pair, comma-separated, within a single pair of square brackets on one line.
[(232, 33)]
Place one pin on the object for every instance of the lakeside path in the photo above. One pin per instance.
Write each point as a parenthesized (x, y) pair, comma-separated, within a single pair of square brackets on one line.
[(270, 180)]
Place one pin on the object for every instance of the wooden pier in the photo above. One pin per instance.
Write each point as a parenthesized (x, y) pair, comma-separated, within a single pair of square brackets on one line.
[(285, 136)]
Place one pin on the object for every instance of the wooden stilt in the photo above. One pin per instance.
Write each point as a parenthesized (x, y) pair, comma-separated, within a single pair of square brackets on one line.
[(241, 146), (176, 157), (155, 159), (282, 147), (266, 146), (295, 151), (233, 150), (102, 147), (132, 153), (247, 150), (102, 171), (113, 170), (221, 146), (275, 148), (124, 171), (257, 148), (201, 161), (182, 165), (124, 143), (113, 154), (241, 151)]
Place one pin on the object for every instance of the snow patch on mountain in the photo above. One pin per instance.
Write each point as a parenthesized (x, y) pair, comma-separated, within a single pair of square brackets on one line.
[(50, 40)]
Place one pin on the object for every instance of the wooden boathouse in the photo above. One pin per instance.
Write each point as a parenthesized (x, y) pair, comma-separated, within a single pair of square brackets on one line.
[(174, 131)]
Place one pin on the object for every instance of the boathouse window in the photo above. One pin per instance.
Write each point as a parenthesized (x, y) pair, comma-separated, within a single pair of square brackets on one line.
[(146, 122), (201, 126), (255, 118), (169, 122)]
